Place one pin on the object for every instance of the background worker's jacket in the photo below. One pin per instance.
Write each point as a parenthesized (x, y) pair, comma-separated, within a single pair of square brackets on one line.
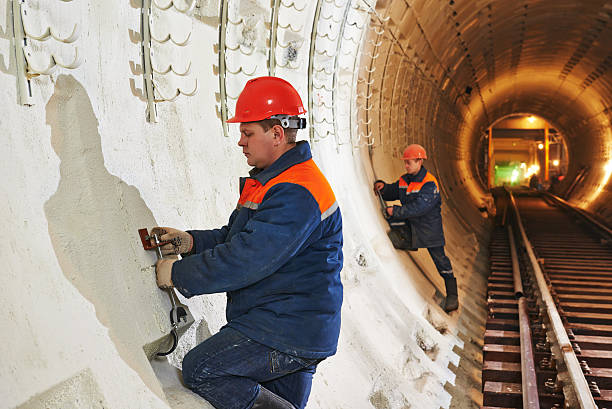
[(279, 259), (420, 198)]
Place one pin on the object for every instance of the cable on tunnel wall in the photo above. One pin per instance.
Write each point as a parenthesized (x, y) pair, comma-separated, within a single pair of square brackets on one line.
[(335, 84), (313, 37), (222, 88), (273, 38)]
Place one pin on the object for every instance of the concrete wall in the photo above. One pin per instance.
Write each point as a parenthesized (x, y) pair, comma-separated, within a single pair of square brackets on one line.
[(84, 169)]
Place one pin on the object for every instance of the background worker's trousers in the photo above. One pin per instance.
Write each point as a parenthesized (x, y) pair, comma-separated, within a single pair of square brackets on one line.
[(401, 239), (228, 368), (443, 264)]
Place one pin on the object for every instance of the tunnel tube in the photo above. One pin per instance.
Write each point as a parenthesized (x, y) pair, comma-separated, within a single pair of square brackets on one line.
[(94, 155)]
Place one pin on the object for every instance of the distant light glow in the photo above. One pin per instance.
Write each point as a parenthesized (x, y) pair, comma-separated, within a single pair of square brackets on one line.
[(531, 119), (556, 162), (540, 146), (514, 177), (532, 170), (523, 165)]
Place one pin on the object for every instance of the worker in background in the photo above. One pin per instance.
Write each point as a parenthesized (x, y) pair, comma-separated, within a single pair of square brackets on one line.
[(278, 259), (417, 222), (534, 182)]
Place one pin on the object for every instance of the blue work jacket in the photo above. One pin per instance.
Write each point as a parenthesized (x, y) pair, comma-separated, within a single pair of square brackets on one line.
[(279, 259), (420, 199)]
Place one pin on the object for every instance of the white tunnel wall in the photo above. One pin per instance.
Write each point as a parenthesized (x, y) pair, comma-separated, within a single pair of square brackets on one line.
[(84, 169)]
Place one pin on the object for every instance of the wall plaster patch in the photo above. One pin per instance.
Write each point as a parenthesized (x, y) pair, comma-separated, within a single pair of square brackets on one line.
[(81, 391)]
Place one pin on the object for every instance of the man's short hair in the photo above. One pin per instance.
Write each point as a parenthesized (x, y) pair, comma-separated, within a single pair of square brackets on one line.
[(290, 133)]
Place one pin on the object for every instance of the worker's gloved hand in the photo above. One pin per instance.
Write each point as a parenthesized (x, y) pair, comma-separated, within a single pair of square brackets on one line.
[(378, 186), (390, 211), (163, 271), (180, 242)]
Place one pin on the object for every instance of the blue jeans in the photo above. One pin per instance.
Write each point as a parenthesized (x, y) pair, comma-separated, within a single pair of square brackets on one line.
[(443, 264), (228, 368)]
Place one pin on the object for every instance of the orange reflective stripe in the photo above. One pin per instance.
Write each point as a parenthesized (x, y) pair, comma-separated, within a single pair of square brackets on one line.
[(249, 191), (306, 174), (415, 187)]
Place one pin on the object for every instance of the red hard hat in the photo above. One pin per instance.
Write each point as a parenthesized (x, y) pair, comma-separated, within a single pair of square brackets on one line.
[(414, 151), (263, 97)]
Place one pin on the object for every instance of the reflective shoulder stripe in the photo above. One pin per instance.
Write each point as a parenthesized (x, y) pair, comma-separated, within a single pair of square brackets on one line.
[(248, 194), (415, 187), (251, 205), (306, 174), (329, 211), (402, 183), (431, 178)]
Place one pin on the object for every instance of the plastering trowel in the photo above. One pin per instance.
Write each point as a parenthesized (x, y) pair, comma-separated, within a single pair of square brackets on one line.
[(180, 317)]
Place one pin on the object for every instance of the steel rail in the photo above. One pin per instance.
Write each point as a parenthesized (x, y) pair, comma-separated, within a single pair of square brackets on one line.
[(516, 270), (579, 383), (531, 398), (581, 212)]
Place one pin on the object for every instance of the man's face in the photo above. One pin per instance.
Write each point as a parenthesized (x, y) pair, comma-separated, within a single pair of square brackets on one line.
[(413, 165), (257, 144)]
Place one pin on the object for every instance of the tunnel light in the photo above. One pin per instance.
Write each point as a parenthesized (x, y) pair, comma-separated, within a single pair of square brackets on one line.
[(608, 172), (556, 162), (540, 146), (532, 170), (523, 165), (531, 119), (514, 177)]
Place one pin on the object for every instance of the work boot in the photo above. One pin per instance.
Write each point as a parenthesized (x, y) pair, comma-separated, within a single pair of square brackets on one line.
[(452, 300), (269, 400)]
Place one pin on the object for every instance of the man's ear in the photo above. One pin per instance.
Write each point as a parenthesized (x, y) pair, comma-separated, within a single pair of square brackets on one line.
[(279, 133)]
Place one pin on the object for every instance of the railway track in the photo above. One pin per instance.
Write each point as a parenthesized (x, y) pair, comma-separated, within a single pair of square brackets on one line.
[(548, 337)]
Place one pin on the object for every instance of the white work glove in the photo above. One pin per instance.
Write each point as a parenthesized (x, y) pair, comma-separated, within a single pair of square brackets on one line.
[(163, 272), (180, 242)]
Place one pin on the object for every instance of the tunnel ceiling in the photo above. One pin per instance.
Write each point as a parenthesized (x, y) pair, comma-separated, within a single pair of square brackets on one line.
[(551, 58)]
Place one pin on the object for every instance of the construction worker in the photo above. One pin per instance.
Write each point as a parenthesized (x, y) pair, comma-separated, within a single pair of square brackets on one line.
[(417, 222), (278, 259)]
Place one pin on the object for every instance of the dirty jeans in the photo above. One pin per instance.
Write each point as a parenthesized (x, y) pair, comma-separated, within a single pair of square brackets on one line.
[(441, 261), (228, 368)]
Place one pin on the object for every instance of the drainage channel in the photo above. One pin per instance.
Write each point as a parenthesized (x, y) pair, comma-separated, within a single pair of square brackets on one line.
[(548, 337)]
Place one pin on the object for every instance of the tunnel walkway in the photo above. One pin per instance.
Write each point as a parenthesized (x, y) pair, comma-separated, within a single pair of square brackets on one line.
[(526, 363)]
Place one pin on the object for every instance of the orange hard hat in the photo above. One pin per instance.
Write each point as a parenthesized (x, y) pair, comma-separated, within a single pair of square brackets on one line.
[(414, 151), (264, 97)]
